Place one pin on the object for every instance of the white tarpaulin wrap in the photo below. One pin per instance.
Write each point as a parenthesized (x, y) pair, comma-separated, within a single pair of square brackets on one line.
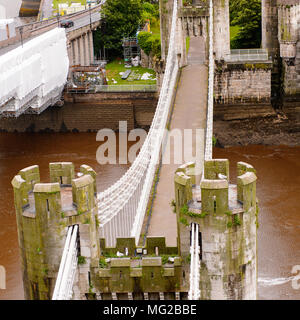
[(35, 74), (7, 28)]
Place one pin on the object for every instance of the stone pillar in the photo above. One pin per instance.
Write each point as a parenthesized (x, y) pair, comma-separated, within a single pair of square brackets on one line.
[(221, 29), (70, 52), (91, 46), (87, 49), (73, 52), (84, 60), (270, 26), (77, 51), (81, 51)]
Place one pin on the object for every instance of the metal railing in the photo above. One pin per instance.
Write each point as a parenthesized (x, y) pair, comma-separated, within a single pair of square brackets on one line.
[(68, 266), (210, 98), (122, 207), (194, 292), (243, 55), (90, 88), (127, 88), (35, 28)]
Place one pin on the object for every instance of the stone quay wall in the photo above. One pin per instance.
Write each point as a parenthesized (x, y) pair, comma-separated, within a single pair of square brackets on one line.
[(88, 113)]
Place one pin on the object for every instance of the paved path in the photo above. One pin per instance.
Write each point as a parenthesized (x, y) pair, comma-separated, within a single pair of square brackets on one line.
[(189, 113)]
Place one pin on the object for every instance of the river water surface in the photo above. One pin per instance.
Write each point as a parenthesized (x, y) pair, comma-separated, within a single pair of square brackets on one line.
[(278, 190)]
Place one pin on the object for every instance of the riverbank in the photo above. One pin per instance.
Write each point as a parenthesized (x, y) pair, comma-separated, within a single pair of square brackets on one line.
[(273, 130)]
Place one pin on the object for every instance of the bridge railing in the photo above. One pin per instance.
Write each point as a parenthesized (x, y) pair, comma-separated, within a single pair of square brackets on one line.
[(210, 98), (36, 25), (122, 206), (243, 55), (127, 88), (68, 266), (35, 28), (194, 292)]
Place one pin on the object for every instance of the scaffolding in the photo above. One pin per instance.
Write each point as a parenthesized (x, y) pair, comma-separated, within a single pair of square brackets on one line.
[(131, 49)]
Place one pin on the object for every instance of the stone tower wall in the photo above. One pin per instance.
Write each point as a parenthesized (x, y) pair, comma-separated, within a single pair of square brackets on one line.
[(228, 233), (44, 211)]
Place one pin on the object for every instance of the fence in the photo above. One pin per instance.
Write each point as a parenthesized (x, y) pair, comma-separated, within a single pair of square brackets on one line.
[(210, 98), (243, 55), (112, 88)]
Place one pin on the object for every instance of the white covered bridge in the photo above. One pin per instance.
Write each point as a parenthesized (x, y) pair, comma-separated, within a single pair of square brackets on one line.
[(32, 76)]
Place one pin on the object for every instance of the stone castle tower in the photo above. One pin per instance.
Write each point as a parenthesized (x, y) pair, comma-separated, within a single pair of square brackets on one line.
[(44, 211), (226, 216)]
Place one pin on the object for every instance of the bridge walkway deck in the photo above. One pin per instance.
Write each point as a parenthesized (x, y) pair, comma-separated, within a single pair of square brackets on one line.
[(189, 113)]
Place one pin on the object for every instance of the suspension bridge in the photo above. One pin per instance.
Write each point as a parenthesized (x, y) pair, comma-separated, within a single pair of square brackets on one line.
[(121, 208)]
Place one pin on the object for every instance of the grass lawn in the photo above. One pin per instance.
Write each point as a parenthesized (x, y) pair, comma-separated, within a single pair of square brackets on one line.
[(56, 2), (187, 44), (114, 68)]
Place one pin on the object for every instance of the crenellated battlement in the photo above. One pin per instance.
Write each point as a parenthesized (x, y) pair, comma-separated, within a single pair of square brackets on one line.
[(148, 275), (215, 193), (64, 196), (226, 215), (153, 246), (151, 269), (44, 211)]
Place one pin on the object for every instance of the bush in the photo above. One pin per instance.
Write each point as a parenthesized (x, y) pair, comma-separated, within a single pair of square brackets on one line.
[(144, 43), (149, 43)]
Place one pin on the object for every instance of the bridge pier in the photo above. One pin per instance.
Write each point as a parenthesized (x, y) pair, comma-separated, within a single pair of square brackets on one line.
[(81, 48)]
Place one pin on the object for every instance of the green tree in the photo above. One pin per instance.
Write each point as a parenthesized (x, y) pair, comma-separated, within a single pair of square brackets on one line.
[(150, 12), (247, 15), (122, 18)]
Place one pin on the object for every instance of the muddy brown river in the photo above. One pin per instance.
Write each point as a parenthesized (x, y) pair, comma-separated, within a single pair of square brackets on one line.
[(278, 190)]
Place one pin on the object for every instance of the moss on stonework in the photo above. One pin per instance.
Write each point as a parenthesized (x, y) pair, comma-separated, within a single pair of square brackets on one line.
[(256, 216), (236, 220), (252, 66), (102, 263), (183, 221), (87, 220), (81, 260), (185, 211)]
